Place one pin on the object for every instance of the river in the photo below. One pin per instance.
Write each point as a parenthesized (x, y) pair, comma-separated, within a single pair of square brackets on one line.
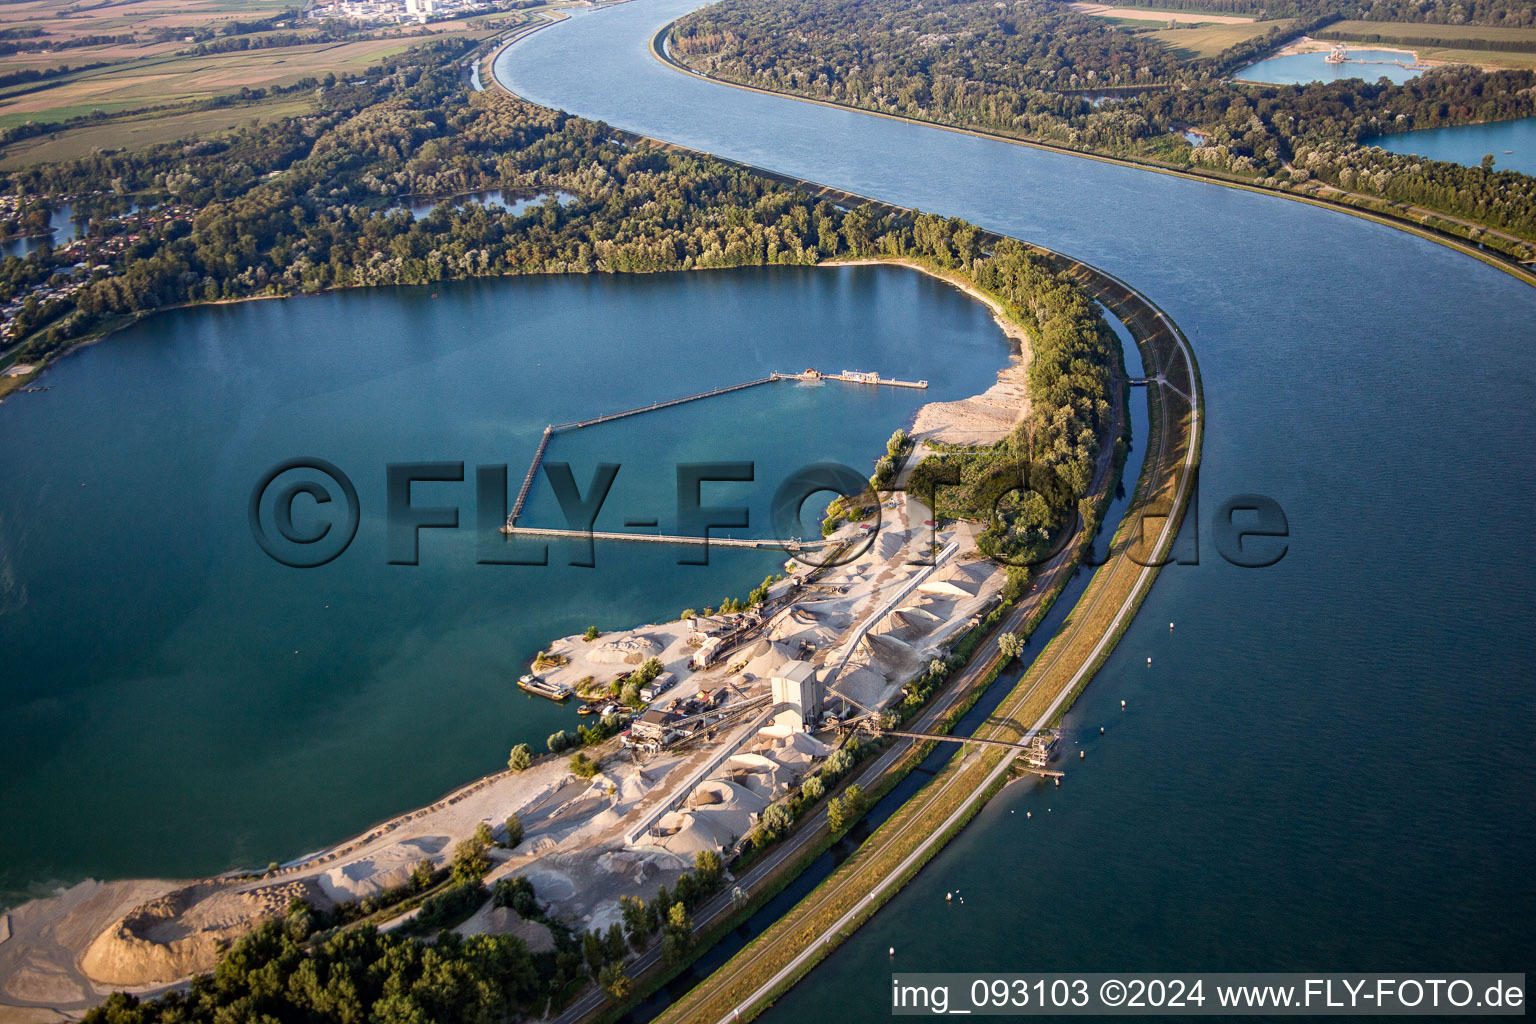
[(1329, 764), (176, 703)]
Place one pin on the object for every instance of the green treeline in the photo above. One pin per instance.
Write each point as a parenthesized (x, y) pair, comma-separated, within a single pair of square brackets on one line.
[(1429, 39), (1023, 69), (1027, 487)]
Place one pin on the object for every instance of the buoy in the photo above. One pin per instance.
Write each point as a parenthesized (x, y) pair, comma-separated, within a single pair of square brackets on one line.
[(1029, 814), (1149, 663), (1170, 627), (893, 951), (1122, 705), (1101, 730), (949, 897), (1082, 754)]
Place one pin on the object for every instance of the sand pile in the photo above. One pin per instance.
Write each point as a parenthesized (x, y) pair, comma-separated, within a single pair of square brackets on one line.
[(183, 932), (624, 650), (386, 869)]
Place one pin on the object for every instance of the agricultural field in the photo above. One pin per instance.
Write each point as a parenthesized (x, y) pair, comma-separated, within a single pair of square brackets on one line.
[(1210, 40), (176, 78), (63, 19), (1482, 45), (145, 130), (1154, 14)]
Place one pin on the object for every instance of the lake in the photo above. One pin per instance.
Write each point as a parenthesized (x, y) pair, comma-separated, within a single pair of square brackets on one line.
[(1468, 143), (1330, 763), (491, 199), (62, 228), (172, 688), (1301, 68)]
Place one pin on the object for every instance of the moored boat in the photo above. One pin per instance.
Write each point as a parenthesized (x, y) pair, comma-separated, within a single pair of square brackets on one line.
[(543, 688)]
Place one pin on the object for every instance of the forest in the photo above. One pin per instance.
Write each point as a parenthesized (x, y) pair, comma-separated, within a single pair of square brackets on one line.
[(1037, 70)]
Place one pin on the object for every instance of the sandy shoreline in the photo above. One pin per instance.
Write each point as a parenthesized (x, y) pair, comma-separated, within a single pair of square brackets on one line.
[(982, 419), (1306, 44)]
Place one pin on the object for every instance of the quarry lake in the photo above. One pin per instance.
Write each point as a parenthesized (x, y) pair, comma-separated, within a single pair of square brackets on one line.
[(170, 685), (1329, 761), (1511, 143)]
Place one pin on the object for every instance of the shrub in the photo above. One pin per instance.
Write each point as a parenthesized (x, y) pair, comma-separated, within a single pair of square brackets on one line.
[(514, 831), (449, 907), (520, 758), (517, 893), (469, 861), (582, 766)]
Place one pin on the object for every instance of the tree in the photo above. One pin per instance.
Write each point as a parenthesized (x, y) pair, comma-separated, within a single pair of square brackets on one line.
[(520, 758), (708, 869), (613, 943), (469, 861), (813, 789), (1011, 644), (591, 634), (582, 766), (559, 741), (518, 894), (776, 820), (835, 815), (592, 950), (845, 810), (615, 982), (677, 940), (422, 874), (898, 443), (484, 837), (514, 831), (638, 924)]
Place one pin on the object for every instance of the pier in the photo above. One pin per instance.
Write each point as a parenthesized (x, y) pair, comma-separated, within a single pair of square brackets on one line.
[(852, 377), (761, 543), (847, 376), (522, 493)]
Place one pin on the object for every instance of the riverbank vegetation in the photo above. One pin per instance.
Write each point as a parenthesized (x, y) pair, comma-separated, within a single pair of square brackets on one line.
[(1041, 71)]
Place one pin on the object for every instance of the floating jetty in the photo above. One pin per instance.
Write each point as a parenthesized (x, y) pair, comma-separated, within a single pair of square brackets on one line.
[(1339, 55), (852, 377), (810, 374)]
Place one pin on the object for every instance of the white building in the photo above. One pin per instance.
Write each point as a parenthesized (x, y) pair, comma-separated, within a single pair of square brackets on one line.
[(796, 688)]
